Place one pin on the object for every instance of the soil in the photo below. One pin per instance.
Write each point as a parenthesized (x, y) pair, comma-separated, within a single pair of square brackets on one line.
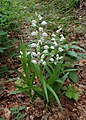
[(71, 110)]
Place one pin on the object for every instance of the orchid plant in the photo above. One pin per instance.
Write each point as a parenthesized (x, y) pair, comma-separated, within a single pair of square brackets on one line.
[(47, 58)]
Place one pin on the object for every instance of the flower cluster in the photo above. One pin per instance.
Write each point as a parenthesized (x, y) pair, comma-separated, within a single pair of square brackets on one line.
[(45, 48)]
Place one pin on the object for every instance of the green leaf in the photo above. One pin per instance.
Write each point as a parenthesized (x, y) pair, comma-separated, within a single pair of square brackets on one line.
[(64, 88), (75, 95), (59, 86), (59, 81), (32, 79), (55, 95), (16, 91), (73, 76), (21, 108), (22, 116), (55, 74), (48, 70), (41, 77), (72, 53), (2, 49), (69, 94), (77, 47), (3, 33), (14, 108)]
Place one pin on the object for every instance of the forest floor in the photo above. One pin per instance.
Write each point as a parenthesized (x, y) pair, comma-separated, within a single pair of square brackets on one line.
[(71, 110)]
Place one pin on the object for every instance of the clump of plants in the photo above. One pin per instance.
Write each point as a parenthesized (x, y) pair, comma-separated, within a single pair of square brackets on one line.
[(48, 58)]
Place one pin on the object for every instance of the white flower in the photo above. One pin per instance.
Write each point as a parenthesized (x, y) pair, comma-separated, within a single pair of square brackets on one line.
[(57, 55), (40, 29), (58, 30), (43, 56), (61, 35), (52, 47), (60, 57), (44, 23), (39, 42), (40, 17), (60, 49), (55, 43), (46, 47), (44, 34), (34, 21), (21, 52), (44, 63), (28, 53), (19, 56), (33, 25), (62, 38), (57, 58), (51, 59), (40, 61), (45, 51), (53, 39), (53, 35), (34, 54), (34, 61), (33, 45), (34, 33), (38, 53)]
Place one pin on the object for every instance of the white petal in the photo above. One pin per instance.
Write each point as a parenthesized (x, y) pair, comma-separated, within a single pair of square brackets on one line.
[(46, 47), (53, 39), (33, 25), (21, 52), (51, 59), (52, 47), (44, 23), (60, 49), (34, 21), (44, 34), (45, 51), (34, 33), (43, 56), (34, 61), (33, 45), (44, 63), (53, 35), (40, 29)]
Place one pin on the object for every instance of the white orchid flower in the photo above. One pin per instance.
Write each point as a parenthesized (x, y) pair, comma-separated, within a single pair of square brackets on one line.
[(40, 29), (44, 34), (44, 63), (52, 47), (60, 49), (53, 39), (43, 56), (44, 23), (34, 33), (46, 47), (33, 25), (53, 35), (34, 21), (40, 17), (51, 59), (45, 51), (34, 61), (33, 45)]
